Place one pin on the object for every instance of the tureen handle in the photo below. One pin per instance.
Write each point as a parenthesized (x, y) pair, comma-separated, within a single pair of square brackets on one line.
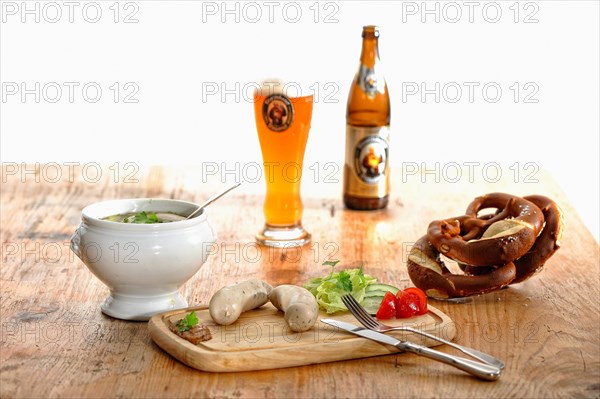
[(76, 241)]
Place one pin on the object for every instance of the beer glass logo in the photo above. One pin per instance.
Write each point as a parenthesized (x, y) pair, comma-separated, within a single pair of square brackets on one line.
[(278, 112), (370, 159)]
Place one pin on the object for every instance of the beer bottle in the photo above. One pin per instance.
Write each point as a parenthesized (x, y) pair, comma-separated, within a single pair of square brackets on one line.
[(366, 170)]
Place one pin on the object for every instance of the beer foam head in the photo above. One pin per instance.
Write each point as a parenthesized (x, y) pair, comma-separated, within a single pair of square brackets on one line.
[(287, 88)]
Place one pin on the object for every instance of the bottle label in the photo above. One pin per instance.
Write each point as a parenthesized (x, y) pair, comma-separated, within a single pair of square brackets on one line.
[(367, 80), (367, 167), (278, 112)]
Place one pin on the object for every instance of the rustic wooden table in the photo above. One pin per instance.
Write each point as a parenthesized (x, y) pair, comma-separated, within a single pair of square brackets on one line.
[(55, 342)]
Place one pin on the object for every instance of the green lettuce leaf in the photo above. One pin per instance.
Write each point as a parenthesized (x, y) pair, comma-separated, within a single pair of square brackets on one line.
[(328, 290)]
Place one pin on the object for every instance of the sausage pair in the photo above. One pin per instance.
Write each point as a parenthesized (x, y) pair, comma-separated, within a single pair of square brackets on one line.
[(298, 304)]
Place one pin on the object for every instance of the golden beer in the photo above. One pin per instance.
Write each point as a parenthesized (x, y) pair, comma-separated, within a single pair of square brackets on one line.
[(282, 123)]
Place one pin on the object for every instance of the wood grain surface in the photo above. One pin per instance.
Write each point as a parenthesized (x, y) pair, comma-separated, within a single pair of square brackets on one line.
[(55, 342), (261, 340)]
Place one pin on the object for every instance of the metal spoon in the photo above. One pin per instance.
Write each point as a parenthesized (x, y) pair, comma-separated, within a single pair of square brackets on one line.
[(211, 200)]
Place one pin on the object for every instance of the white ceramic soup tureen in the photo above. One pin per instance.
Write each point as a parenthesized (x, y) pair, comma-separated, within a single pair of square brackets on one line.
[(143, 265)]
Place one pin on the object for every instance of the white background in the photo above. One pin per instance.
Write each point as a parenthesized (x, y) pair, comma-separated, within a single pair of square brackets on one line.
[(189, 68)]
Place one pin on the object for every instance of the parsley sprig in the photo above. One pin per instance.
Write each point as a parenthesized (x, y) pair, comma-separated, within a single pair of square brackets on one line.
[(344, 282), (143, 218), (344, 279), (189, 321)]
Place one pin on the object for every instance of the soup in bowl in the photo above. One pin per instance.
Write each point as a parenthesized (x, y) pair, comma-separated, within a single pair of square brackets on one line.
[(143, 250)]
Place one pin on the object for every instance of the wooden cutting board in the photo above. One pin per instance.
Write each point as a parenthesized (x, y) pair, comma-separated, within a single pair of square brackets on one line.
[(260, 339)]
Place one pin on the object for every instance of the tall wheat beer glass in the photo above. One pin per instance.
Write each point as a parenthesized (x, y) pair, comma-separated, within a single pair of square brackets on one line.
[(283, 117)]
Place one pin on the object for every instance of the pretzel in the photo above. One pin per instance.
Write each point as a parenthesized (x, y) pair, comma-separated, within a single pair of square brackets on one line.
[(547, 243), (494, 250), (495, 240), (429, 273)]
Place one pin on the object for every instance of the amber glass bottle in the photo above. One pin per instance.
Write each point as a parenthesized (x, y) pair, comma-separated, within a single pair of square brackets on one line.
[(366, 169)]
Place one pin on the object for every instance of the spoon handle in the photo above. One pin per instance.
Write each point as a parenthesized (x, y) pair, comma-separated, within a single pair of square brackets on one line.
[(211, 200)]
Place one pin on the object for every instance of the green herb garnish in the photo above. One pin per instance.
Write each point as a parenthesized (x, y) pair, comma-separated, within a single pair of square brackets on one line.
[(145, 218), (344, 281), (331, 263), (189, 321)]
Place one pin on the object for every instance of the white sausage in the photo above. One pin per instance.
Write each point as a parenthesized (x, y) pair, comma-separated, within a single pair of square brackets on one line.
[(298, 304), (228, 303)]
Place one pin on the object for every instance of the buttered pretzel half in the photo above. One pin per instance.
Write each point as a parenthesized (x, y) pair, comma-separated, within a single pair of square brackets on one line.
[(429, 273), (494, 249), (497, 240), (546, 244)]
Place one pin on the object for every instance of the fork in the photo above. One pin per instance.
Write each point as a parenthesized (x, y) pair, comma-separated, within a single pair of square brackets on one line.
[(373, 324)]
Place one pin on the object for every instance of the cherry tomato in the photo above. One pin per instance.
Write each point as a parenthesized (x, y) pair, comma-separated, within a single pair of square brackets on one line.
[(387, 309), (421, 299), (407, 305)]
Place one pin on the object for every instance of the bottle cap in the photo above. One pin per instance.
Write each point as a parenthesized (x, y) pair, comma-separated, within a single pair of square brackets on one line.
[(370, 30)]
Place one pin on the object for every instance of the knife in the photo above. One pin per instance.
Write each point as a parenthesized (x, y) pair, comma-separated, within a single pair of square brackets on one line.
[(478, 369)]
